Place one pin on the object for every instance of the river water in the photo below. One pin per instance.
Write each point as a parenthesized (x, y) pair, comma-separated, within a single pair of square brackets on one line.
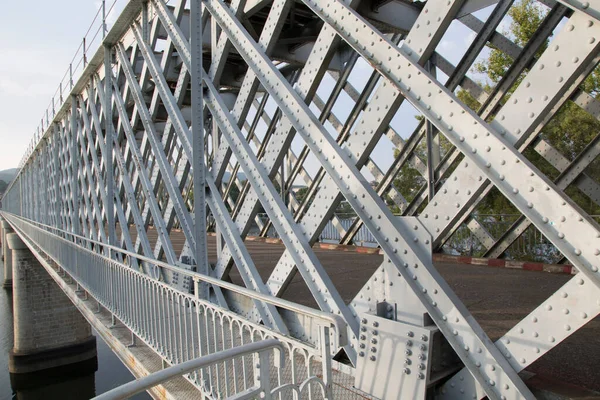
[(111, 372)]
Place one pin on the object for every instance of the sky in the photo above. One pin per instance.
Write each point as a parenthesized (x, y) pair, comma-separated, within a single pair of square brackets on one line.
[(37, 41), (39, 38)]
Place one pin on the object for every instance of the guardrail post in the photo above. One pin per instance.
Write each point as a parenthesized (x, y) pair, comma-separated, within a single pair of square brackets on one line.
[(325, 343), (262, 373)]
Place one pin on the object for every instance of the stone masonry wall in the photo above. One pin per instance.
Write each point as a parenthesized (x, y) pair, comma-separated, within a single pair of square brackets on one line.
[(44, 316)]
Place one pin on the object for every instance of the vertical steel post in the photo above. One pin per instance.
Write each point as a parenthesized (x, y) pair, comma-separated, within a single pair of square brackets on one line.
[(215, 33), (35, 184), (84, 54), (20, 196), (429, 129), (103, 19), (145, 25), (109, 144), (282, 181), (198, 140), (55, 140), (74, 167)]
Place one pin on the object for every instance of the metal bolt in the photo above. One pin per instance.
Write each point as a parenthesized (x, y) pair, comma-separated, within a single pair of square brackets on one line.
[(373, 358)]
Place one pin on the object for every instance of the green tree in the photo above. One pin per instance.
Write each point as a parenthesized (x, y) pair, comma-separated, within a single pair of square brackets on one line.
[(569, 131), (3, 186), (344, 209), (410, 181)]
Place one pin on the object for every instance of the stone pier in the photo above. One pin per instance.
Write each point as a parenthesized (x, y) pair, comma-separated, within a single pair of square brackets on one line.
[(7, 278), (50, 334)]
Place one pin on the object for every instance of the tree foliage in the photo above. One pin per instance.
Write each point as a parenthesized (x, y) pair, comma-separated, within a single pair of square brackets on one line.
[(569, 131)]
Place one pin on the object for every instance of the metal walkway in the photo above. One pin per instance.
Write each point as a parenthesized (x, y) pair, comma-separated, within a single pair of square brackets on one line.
[(229, 105)]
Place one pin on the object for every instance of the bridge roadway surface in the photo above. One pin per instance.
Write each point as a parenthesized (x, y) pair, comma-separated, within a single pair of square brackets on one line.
[(497, 297)]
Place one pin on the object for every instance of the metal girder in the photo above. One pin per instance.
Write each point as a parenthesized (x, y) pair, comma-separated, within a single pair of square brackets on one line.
[(150, 199), (455, 77), (309, 93), (301, 118)]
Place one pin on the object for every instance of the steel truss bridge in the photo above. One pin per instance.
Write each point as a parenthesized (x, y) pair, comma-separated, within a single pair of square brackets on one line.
[(229, 104)]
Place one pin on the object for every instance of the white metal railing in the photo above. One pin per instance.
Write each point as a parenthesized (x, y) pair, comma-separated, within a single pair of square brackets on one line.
[(259, 349), (181, 327)]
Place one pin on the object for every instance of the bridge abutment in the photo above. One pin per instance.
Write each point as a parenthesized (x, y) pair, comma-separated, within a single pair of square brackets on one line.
[(50, 334), (7, 279)]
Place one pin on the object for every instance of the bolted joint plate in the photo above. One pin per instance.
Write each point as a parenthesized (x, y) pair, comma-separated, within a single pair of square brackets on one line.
[(382, 345)]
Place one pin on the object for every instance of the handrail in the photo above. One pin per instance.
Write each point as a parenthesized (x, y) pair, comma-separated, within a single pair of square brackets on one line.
[(129, 389), (336, 321)]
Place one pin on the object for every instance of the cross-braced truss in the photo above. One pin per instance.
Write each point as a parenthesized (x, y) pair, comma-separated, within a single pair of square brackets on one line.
[(309, 93)]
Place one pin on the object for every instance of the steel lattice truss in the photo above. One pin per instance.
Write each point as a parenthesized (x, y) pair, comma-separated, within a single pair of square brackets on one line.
[(280, 106)]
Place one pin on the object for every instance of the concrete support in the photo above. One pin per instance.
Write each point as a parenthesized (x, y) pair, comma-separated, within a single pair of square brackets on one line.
[(7, 280), (50, 333)]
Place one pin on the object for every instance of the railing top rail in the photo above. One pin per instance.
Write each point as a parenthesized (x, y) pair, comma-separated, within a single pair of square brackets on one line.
[(129, 389), (337, 322)]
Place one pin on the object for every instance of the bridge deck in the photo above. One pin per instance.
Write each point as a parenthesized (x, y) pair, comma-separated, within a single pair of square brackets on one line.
[(497, 297)]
